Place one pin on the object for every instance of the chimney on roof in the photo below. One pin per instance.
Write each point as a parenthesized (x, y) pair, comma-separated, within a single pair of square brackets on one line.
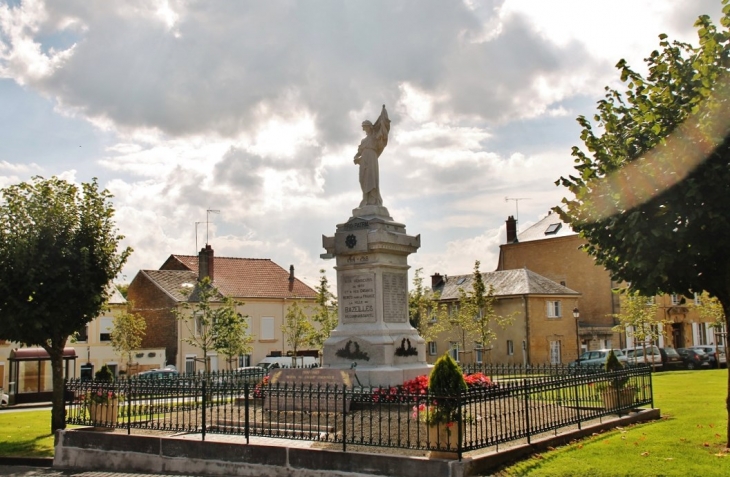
[(511, 229), (291, 273), (436, 280), (205, 263)]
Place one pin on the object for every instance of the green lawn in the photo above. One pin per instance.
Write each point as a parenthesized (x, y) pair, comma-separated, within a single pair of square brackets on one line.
[(689, 439), (26, 434)]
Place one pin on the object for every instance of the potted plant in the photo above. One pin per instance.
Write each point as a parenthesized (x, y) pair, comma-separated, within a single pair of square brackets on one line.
[(103, 402), (615, 392), (442, 414)]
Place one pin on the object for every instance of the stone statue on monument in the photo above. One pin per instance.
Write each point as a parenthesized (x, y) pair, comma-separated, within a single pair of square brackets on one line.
[(367, 156)]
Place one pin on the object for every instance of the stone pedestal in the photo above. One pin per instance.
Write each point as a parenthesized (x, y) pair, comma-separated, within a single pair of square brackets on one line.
[(373, 333)]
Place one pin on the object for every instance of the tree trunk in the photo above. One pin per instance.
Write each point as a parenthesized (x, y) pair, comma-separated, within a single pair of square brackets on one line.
[(58, 410), (723, 296)]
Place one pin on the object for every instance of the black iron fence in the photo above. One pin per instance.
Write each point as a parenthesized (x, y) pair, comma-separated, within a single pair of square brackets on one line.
[(513, 403)]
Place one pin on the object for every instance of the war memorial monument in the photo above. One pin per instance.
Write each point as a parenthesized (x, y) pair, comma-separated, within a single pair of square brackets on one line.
[(371, 251)]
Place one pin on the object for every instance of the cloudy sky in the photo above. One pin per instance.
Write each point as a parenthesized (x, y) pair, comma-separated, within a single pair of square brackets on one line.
[(253, 109)]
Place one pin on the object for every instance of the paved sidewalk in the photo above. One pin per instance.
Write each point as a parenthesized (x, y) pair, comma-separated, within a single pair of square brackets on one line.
[(23, 471)]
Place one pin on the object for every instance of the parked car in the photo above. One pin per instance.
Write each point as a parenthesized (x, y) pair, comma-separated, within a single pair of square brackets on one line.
[(671, 359), (4, 399), (636, 356), (716, 354), (597, 357), (158, 374), (694, 359)]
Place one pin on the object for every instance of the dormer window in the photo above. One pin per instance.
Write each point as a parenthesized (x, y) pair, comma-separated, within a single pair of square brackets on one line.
[(553, 228)]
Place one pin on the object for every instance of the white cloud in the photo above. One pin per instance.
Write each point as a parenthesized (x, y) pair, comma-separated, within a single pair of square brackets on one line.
[(254, 108)]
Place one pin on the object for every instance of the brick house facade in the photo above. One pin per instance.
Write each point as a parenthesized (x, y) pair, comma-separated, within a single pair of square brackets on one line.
[(265, 288)]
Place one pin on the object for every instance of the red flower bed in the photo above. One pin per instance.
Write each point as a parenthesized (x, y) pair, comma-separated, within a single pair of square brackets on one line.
[(411, 390)]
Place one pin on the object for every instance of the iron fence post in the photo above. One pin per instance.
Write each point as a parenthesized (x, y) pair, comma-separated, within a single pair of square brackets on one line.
[(204, 406), (527, 411), (129, 405), (245, 410), (459, 425), (344, 416), (577, 401)]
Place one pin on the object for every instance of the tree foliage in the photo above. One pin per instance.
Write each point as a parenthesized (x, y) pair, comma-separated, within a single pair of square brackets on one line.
[(653, 182), (297, 328), (210, 318), (324, 315), (128, 330), (232, 336), (476, 319), (59, 251), (638, 319), (425, 313)]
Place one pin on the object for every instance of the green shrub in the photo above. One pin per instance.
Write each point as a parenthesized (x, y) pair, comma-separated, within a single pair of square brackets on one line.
[(104, 374), (446, 380)]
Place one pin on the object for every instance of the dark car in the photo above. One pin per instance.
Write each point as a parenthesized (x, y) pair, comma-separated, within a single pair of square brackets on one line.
[(671, 359), (692, 359)]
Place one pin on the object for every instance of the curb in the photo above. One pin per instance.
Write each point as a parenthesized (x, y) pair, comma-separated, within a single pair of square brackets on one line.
[(27, 461)]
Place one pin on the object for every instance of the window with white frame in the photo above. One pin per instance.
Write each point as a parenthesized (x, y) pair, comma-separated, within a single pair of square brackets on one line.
[(675, 299), (432, 348), (702, 333), (267, 328), (454, 350), (244, 360), (554, 309), (106, 325), (198, 325), (698, 299), (555, 352), (190, 363), (510, 348), (478, 352)]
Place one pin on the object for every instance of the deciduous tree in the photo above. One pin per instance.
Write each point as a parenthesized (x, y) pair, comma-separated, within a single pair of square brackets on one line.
[(424, 311), (652, 183), (638, 319), (206, 315), (297, 327), (128, 330), (324, 315), (59, 251)]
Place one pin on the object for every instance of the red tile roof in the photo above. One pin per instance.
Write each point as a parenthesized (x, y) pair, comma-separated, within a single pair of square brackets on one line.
[(246, 277)]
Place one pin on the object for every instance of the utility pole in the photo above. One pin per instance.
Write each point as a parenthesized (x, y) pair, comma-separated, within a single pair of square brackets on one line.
[(517, 208)]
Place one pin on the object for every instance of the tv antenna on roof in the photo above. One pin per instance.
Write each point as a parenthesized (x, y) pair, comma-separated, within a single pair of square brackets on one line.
[(207, 222), (517, 207)]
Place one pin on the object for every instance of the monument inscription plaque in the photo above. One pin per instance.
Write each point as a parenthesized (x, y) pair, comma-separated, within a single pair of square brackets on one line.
[(395, 297), (290, 389), (358, 298)]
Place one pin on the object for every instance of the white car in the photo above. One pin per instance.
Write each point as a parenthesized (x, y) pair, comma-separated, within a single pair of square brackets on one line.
[(636, 356), (4, 399)]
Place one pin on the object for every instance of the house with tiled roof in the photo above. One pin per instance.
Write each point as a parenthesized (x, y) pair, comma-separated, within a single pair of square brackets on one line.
[(265, 289), (551, 248), (542, 328)]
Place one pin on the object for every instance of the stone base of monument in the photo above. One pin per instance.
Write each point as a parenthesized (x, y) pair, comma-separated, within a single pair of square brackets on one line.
[(378, 360)]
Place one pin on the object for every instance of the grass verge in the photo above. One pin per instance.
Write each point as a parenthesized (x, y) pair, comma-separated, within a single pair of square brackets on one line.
[(26, 434), (689, 439)]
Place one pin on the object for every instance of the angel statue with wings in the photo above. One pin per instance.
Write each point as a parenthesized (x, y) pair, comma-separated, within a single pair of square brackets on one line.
[(367, 155)]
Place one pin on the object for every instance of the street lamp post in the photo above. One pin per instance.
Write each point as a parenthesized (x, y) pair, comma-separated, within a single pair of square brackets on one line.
[(576, 315)]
